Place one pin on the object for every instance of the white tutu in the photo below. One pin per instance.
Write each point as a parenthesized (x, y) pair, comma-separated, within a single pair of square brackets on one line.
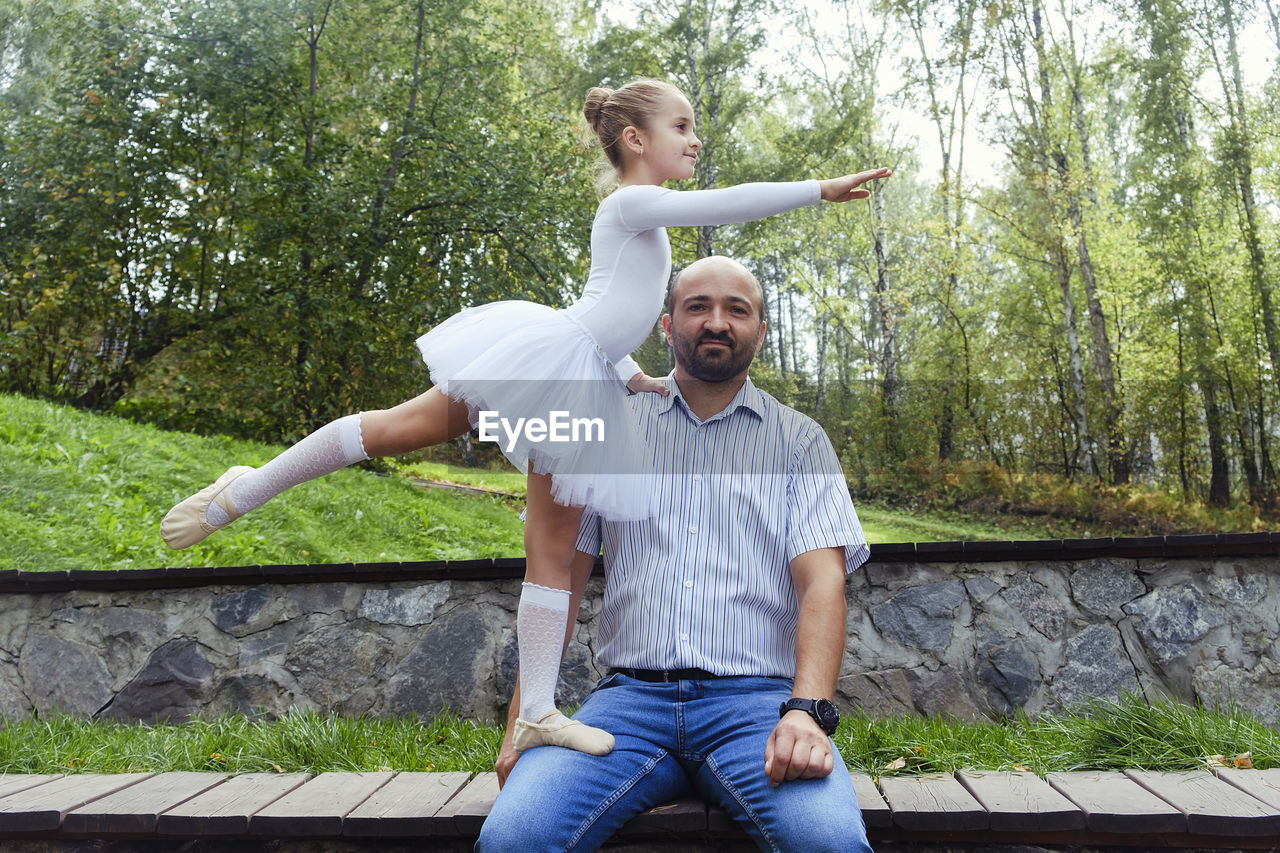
[(518, 360)]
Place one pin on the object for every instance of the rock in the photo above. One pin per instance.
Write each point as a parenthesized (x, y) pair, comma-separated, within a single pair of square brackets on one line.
[(1010, 674), (64, 675), (1171, 619), (449, 668), (921, 617), (233, 611), (173, 686), (1041, 606), (1096, 668), (1103, 587), (409, 606)]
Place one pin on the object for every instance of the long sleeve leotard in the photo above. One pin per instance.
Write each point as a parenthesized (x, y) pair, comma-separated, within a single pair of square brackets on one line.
[(631, 255)]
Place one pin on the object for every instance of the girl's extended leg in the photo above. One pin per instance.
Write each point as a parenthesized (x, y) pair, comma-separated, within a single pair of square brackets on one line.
[(549, 535), (427, 419)]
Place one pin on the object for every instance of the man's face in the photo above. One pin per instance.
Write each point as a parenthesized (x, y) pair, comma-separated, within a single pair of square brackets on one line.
[(715, 326)]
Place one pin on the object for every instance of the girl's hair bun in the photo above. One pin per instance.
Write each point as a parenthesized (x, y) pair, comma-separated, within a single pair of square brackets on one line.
[(596, 99)]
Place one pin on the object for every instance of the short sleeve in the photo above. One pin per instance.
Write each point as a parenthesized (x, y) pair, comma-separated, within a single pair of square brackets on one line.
[(626, 368), (820, 513), (589, 534)]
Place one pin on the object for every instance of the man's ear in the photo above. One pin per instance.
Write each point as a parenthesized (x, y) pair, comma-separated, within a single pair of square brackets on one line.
[(666, 327), (760, 338)]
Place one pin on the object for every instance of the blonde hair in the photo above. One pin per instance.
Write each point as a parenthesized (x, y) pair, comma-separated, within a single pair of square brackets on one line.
[(610, 111)]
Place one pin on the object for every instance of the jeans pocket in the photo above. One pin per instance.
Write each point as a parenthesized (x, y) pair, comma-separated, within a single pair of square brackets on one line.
[(610, 680)]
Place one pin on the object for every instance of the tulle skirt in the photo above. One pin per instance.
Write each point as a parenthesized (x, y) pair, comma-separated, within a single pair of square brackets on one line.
[(536, 381)]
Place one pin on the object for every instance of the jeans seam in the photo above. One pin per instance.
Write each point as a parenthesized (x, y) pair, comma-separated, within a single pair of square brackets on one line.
[(626, 786), (742, 802)]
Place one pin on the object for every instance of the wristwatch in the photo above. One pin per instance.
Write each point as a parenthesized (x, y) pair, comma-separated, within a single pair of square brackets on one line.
[(823, 711)]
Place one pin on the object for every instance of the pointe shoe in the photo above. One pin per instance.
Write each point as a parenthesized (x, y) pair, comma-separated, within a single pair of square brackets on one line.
[(185, 524), (563, 732)]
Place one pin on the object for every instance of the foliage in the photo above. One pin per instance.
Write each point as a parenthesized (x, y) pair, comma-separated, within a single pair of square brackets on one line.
[(235, 219)]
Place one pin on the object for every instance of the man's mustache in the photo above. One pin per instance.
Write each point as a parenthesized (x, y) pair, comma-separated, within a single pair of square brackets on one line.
[(718, 338)]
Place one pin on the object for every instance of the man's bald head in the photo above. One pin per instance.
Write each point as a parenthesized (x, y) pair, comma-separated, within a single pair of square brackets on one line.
[(716, 266)]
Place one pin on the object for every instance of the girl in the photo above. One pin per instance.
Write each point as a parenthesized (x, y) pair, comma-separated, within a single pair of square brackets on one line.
[(522, 360)]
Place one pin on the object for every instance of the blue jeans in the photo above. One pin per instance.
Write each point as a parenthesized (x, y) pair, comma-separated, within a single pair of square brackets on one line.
[(672, 739)]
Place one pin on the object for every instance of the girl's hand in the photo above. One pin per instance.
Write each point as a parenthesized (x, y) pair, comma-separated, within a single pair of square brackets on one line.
[(846, 188), (643, 382)]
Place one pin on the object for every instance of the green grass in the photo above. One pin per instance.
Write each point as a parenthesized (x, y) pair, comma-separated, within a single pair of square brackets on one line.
[(1103, 735), (83, 491), (86, 491)]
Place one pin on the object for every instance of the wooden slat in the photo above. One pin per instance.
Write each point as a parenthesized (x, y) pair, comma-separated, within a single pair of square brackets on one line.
[(1112, 802), (936, 803), (1021, 802), (406, 806), (687, 814), (12, 783), (226, 808), (135, 809), (42, 808), (317, 807), (875, 811), (470, 806), (1260, 784), (1212, 806)]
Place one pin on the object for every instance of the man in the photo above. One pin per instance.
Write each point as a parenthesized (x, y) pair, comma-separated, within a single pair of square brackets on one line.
[(718, 610)]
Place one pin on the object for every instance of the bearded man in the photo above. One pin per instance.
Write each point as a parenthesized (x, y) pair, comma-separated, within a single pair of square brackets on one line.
[(723, 620)]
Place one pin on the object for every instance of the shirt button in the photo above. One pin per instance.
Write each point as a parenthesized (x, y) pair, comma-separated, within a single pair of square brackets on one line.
[(684, 637), (693, 528), (688, 584)]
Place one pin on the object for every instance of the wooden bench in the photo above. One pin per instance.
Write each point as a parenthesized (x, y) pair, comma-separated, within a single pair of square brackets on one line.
[(1236, 809)]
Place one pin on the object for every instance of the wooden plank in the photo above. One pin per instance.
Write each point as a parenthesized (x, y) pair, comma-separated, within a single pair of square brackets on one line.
[(406, 806), (875, 811), (317, 807), (12, 783), (42, 808), (226, 809), (935, 803), (135, 809), (1260, 784), (687, 814), (1212, 806), (470, 806), (1021, 802), (1112, 802)]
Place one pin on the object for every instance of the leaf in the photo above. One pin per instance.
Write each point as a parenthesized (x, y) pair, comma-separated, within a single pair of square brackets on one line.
[(1216, 761), (896, 764), (1243, 760)]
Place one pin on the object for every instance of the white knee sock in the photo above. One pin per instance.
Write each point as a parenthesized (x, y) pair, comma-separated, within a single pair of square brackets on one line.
[(540, 625), (335, 445)]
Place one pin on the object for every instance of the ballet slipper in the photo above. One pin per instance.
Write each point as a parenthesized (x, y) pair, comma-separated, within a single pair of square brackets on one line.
[(186, 524), (565, 732)]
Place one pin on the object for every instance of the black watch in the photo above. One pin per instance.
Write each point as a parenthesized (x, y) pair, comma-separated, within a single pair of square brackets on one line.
[(823, 711)]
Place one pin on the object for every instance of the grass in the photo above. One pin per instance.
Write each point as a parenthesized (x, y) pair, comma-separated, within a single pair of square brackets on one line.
[(86, 491), (1104, 735)]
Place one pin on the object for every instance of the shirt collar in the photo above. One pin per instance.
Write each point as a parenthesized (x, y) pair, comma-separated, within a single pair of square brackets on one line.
[(749, 397)]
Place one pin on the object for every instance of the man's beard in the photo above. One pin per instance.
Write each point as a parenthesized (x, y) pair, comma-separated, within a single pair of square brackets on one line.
[(715, 365)]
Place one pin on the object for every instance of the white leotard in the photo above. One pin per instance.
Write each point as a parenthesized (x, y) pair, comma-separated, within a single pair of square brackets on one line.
[(631, 256)]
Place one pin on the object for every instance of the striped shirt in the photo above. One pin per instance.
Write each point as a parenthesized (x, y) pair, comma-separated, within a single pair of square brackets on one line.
[(706, 581)]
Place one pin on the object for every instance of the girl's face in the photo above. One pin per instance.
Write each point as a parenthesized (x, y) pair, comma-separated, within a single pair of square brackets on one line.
[(670, 144)]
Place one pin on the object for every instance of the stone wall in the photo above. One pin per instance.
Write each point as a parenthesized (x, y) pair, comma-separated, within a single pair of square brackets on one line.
[(929, 631)]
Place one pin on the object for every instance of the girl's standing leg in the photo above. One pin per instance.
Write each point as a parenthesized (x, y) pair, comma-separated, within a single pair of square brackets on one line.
[(549, 535), (428, 419)]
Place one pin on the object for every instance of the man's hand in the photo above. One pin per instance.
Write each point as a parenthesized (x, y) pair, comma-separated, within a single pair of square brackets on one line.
[(847, 188), (644, 382), (797, 749)]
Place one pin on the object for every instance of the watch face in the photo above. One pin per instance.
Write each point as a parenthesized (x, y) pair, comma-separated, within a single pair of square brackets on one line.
[(828, 715)]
